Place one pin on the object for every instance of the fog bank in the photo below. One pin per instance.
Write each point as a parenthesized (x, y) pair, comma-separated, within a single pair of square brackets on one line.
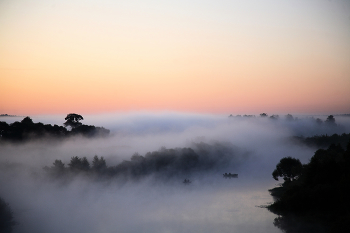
[(209, 203)]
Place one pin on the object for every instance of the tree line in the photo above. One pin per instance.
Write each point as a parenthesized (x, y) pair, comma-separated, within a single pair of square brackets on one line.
[(324, 141), (27, 129), (314, 197), (330, 121), (164, 163)]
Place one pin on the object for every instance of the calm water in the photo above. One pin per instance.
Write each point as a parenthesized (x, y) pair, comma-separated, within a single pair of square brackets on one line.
[(209, 204), (205, 205)]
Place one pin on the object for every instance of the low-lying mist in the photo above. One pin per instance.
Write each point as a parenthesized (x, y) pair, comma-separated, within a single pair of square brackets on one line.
[(196, 147)]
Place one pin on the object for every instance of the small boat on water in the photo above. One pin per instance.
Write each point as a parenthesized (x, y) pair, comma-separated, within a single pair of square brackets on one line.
[(229, 175), (186, 181)]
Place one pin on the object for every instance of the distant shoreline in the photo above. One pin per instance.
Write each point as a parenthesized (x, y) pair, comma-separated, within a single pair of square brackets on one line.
[(7, 115), (346, 115)]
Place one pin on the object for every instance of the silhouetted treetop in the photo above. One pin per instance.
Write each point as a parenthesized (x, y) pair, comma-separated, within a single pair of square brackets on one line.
[(99, 164), (319, 121), (289, 117), (330, 120), (79, 164), (73, 120), (274, 117), (289, 168), (27, 120)]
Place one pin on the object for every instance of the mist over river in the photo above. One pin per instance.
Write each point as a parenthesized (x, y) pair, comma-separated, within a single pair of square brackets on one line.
[(152, 203)]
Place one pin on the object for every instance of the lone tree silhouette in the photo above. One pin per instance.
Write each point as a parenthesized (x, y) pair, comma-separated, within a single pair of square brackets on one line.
[(289, 168), (330, 120), (72, 120)]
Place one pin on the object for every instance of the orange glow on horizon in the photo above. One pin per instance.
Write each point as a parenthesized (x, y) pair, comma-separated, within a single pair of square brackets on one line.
[(108, 58)]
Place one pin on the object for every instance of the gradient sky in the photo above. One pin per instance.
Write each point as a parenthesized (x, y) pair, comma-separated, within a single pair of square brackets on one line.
[(222, 56)]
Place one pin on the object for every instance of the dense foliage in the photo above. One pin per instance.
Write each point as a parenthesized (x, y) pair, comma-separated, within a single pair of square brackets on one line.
[(73, 120), (288, 168), (324, 141), (27, 129), (164, 163), (6, 218), (319, 198)]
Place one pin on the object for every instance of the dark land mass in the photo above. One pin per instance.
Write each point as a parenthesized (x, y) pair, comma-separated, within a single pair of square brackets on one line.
[(315, 196), (163, 164), (6, 217), (28, 130), (343, 115), (7, 115), (324, 141)]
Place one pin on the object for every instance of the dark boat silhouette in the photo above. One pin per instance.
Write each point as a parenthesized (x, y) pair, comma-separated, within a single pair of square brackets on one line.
[(229, 175)]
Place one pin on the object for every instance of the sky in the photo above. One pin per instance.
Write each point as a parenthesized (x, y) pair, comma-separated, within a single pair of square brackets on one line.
[(217, 57)]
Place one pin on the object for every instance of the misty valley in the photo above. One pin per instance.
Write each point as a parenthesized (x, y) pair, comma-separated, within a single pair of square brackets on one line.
[(174, 173)]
